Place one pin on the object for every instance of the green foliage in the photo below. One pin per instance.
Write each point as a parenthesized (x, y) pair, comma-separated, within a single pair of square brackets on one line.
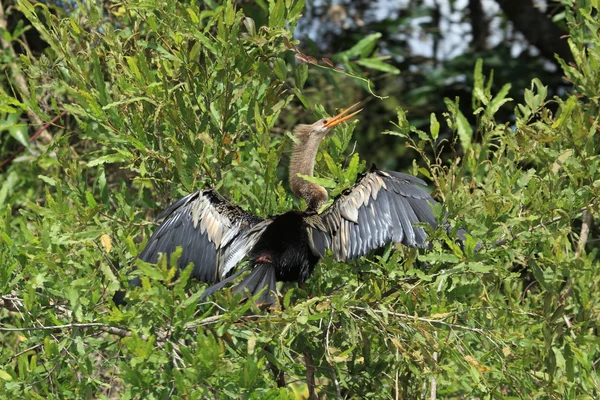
[(162, 98)]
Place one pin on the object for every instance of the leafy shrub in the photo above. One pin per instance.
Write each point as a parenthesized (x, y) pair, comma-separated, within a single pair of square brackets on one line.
[(160, 98)]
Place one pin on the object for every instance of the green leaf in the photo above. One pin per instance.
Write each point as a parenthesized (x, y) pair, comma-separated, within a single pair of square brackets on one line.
[(446, 258), (276, 13), (149, 270), (288, 297), (499, 100), (296, 10), (569, 362), (353, 168), (480, 267), (19, 132), (465, 132), (193, 15), (280, 69), (134, 68), (364, 47), (89, 197), (560, 160), (6, 102), (434, 126), (48, 180), (461, 124), (332, 166), (326, 183), (87, 235), (480, 95), (301, 97), (403, 123), (378, 64), (301, 74), (5, 375), (107, 159)]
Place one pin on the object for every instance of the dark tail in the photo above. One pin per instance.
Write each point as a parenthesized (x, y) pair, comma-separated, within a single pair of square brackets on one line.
[(212, 289), (119, 296), (261, 277)]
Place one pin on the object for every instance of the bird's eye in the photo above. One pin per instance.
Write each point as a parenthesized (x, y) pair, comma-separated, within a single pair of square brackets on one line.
[(325, 121)]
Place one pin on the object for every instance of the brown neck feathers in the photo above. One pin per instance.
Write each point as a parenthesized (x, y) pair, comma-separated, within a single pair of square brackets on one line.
[(303, 162)]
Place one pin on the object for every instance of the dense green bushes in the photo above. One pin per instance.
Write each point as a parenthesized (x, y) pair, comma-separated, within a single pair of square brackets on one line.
[(162, 97)]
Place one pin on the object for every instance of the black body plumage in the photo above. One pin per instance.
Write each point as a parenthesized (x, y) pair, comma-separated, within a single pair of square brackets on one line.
[(284, 244)]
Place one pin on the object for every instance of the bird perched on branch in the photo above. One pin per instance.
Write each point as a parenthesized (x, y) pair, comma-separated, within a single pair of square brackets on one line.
[(380, 208)]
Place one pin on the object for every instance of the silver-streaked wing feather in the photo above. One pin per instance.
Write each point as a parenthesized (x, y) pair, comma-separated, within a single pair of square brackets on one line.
[(381, 207), (214, 234)]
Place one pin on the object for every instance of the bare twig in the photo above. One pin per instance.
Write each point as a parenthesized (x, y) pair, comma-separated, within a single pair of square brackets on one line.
[(35, 135), (61, 327), (336, 382), (433, 377), (585, 231), (14, 304), (330, 358), (503, 241), (11, 303), (429, 321), (396, 376), (327, 351), (25, 351)]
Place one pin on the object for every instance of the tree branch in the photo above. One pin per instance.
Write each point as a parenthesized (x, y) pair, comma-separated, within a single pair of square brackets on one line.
[(586, 216), (310, 376), (503, 241), (428, 320), (538, 28)]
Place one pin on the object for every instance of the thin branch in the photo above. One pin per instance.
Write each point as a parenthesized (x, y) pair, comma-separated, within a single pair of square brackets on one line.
[(585, 232), (429, 321), (25, 351), (501, 242), (35, 135), (11, 303), (327, 351), (310, 376), (60, 327), (433, 377)]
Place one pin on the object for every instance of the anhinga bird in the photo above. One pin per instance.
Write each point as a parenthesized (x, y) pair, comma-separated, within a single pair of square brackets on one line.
[(215, 235)]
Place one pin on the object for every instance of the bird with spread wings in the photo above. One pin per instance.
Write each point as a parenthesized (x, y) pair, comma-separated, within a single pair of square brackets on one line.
[(381, 207)]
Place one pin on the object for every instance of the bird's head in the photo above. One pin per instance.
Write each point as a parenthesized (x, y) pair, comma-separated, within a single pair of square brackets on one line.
[(319, 129)]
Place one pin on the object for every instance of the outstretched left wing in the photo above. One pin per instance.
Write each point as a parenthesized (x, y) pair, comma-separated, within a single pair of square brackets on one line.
[(214, 234), (381, 207)]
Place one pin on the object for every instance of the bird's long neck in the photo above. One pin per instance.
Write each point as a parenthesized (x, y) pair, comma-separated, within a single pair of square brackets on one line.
[(303, 162)]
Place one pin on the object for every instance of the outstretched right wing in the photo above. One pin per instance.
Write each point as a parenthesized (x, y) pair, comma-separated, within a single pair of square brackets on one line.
[(382, 207), (214, 234)]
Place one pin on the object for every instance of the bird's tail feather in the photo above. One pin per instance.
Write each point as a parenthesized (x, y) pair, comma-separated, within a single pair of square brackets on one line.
[(261, 277), (212, 289)]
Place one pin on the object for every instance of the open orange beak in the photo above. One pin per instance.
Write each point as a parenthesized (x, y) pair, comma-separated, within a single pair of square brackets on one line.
[(341, 117)]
